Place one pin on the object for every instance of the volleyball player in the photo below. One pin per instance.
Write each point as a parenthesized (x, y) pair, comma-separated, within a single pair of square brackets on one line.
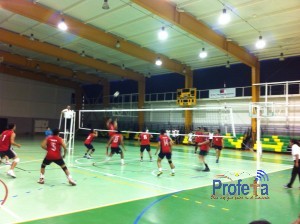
[(144, 138), (198, 132), (165, 147), (52, 145), (88, 144), (218, 144), (114, 142), (112, 126), (204, 147), (296, 157), (7, 140)]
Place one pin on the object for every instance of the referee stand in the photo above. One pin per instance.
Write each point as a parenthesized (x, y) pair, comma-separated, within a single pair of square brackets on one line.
[(67, 125)]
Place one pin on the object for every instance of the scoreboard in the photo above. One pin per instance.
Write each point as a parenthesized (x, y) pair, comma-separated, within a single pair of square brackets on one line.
[(187, 97)]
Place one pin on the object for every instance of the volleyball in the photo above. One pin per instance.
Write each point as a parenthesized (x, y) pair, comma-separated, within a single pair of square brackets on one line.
[(116, 94)]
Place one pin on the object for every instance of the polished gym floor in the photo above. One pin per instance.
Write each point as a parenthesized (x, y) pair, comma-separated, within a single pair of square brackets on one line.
[(107, 192)]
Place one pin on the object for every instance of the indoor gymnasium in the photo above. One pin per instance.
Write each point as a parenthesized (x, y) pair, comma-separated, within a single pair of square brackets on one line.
[(150, 111)]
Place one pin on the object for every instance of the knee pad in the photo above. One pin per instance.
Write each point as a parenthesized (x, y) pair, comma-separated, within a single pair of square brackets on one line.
[(64, 168), (93, 150), (169, 161), (17, 160)]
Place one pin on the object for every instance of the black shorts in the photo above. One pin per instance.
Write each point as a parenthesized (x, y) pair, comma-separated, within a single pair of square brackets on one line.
[(89, 146), (59, 162), (115, 150), (143, 147), (203, 152), (218, 147), (9, 153), (163, 155)]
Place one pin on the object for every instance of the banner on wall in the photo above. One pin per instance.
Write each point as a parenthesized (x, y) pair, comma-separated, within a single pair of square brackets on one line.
[(222, 93)]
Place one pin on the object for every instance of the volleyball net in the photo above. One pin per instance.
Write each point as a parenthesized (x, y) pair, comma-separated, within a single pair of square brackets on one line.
[(155, 119)]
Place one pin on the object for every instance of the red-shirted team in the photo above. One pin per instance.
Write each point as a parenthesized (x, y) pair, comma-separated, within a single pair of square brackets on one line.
[(53, 145)]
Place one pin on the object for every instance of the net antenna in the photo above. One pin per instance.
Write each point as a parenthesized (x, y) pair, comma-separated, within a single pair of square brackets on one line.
[(67, 123), (163, 118)]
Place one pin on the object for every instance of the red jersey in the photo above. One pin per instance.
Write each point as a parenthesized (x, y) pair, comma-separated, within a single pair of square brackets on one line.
[(198, 138), (145, 138), (89, 139), (116, 140), (54, 147), (111, 127), (218, 141), (5, 140), (204, 147), (165, 145)]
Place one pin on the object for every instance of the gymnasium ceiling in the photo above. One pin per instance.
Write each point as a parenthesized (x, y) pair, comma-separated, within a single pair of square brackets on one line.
[(95, 32)]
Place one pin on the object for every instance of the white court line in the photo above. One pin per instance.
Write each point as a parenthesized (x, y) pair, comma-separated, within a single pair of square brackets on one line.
[(8, 211), (22, 162), (129, 179)]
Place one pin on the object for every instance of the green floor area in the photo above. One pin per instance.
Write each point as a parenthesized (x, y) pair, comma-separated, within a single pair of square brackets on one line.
[(111, 193)]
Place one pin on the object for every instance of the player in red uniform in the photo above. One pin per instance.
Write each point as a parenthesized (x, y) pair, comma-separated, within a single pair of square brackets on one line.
[(52, 145), (88, 144), (165, 147), (114, 142), (112, 126), (7, 140), (218, 144), (204, 147), (197, 138), (144, 138)]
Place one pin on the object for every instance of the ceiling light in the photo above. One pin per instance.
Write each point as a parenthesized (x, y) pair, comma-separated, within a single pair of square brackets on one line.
[(62, 25), (31, 37), (227, 64), (224, 18), (105, 5), (260, 43), (158, 62), (162, 34), (82, 54), (281, 58), (118, 45), (203, 53)]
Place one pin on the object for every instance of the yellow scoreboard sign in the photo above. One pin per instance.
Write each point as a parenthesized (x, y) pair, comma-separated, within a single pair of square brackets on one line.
[(186, 97)]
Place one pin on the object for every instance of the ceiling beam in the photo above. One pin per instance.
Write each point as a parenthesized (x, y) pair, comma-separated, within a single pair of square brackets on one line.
[(54, 51), (9, 70), (167, 11), (33, 64), (51, 17)]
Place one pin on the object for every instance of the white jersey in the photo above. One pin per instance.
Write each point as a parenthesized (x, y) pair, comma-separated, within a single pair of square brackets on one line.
[(68, 114), (190, 135), (295, 151), (210, 135), (168, 133), (173, 133)]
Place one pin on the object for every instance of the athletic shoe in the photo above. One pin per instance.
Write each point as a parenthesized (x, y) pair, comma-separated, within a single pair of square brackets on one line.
[(206, 170), (11, 173), (172, 174), (41, 181), (217, 161), (85, 156), (287, 186), (141, 160), (7, 163), (72, 182), (88, 157), (151, 160), (159, 173)]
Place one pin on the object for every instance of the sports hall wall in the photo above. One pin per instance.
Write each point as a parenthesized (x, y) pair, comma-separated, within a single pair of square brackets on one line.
[(23, 101)]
